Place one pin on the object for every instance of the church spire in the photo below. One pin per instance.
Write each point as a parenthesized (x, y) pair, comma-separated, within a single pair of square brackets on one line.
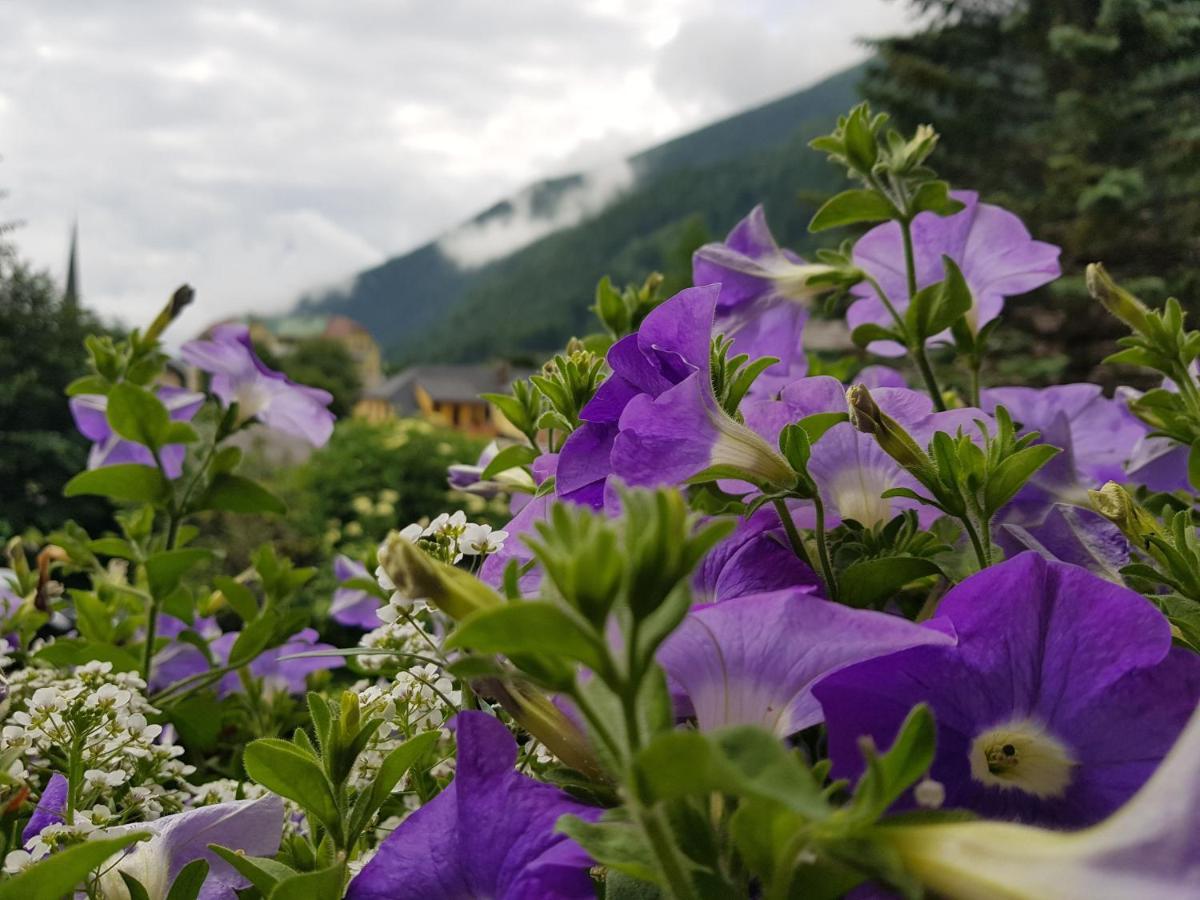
[(71, 295)]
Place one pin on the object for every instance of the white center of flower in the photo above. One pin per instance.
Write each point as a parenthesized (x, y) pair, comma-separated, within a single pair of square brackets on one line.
[(251, 399), (1022, 755), (856, 495), (792, 280)]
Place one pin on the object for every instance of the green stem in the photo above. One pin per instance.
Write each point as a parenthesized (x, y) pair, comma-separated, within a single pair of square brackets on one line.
[(917, 346), (793, 535), (678, 883), (823, 548), (982, 551), (974, 365)]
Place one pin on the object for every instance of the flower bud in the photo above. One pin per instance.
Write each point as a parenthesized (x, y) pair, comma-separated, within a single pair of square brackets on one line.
[(1115, 503), (415, 574), (179, 301), (867, 417), (1118, 301), (537, 714)]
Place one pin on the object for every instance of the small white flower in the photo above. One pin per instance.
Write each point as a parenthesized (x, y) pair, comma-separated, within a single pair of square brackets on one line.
[(481, 540), (98, 778), (930, 794), (412, 532), (17, 860)]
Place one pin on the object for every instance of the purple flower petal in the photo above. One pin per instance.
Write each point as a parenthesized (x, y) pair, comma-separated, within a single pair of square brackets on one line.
[(754, 660), (50, 809), (1073, 673), (352, 606), (491, 833)]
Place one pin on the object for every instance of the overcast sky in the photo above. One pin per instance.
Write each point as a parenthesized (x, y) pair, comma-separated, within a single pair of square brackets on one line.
[(259, 149)]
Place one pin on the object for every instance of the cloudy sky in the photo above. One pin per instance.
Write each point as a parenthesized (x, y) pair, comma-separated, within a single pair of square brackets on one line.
[(259, 149)]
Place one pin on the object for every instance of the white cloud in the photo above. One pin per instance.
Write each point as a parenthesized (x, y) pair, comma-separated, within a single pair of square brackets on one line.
[(476, 243), (258, 149)]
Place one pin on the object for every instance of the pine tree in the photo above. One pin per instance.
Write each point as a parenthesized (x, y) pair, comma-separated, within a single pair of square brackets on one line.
[(1082, 116)]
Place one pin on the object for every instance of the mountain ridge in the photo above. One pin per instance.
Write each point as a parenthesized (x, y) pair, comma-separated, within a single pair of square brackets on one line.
[(424, 306)]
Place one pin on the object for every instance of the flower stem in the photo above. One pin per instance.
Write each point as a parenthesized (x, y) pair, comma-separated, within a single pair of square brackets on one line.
[(793, 535), (916, 344), (823, 548)]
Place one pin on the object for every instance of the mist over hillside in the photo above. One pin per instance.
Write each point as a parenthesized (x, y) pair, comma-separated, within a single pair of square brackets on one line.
[(519, 276)]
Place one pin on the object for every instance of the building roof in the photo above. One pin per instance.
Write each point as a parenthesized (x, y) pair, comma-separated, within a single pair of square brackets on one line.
[(446, 384)]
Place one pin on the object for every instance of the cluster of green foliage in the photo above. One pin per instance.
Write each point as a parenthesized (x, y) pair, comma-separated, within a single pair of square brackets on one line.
[(1081, 116)]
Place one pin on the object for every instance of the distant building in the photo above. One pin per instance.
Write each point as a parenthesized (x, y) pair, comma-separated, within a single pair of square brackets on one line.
[(444, 395)]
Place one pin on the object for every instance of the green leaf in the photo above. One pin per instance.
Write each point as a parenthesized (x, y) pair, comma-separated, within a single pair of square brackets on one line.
[(888, 776), (1193, 465), (197, 718), (870, 332), (137, 415), (127, 481), (261, 871), (165, 569), (239, 597), (850, 207), (75, 652), (817, 424), (530, 627), (180, 433), (233, 493), (59, 874), (508, 458), (1008, 477), (253, 638), (866, 583), (743, 761), (281, 767), (935, 308), (324, 884), (88, 384), (133, 887), (189, 881), (934, 197), (394, 767), (619, 845), (111, 546)]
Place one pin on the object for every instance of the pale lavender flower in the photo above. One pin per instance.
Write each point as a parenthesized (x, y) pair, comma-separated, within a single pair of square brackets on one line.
[(90, 412)]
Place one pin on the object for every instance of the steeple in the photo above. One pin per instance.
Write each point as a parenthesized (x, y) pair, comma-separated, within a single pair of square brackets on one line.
[(71, 295)]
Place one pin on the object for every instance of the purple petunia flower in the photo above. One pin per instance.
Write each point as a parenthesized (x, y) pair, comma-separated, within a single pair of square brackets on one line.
[(754, 660), (850, 469), (180, 660), (755, 558), (253, 827), (522, 523), (491, 833), (1071, 534), (1059, 699), (109, 448), (764, 297), (352, 606), (239, 376), (50, 809), (1095, 435), (672, 344), (993, 248)]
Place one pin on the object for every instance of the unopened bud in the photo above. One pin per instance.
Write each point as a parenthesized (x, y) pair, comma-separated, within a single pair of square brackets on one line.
[(1117, 505), (351, 714), (867, 417), (416, 574), (536, 713), (179, 301), (1118, 301)]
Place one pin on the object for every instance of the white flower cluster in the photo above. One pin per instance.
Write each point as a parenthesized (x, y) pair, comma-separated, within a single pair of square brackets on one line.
[(400, 636), (100, 715), (90, 824), (450, 537), (419, 699)]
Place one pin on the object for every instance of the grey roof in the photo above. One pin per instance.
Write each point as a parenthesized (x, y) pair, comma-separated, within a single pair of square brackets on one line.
[(446, 384)]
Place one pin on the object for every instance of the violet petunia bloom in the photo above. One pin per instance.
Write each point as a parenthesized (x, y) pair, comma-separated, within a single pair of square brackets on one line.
[(1148, 849), (1061, 696), (251, 827), (672, 344), (180, 660), (1094, 434), (765, 297), (352, 606), (522, 523), (277, 673), (991, 246), (491, 833), (239, 376), (1071, 534), (90, 412), (50, 809), (755, 558), (754, 660), (850, 468)]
